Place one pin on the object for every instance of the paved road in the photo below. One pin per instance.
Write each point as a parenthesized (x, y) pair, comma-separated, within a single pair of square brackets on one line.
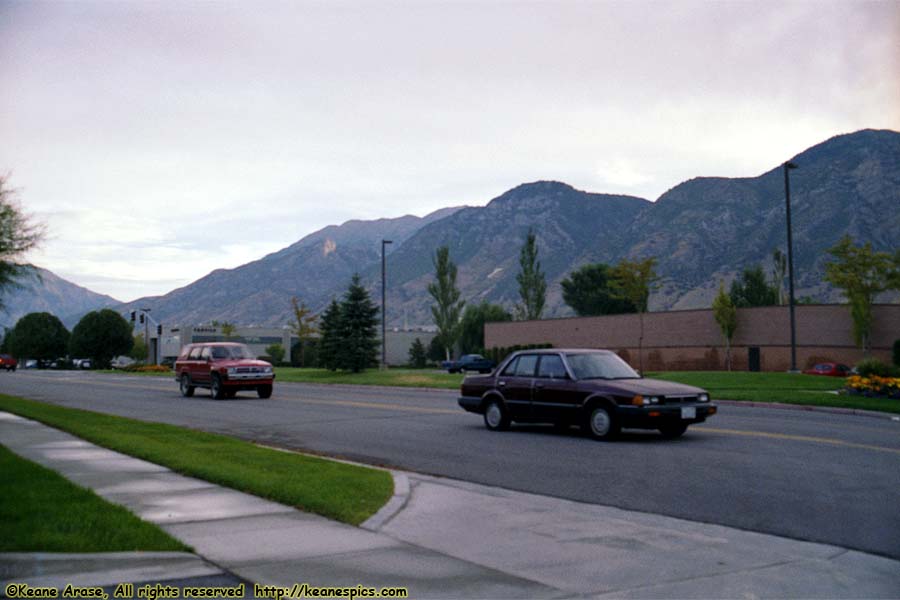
[(810, 476)]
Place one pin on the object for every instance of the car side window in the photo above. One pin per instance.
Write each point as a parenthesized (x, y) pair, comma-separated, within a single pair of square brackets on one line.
[(510, 369), (219, 352), (551, 366), (526, 365), (195, 353), (204, 354)]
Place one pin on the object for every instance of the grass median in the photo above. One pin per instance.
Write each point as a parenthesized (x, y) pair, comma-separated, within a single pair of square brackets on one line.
[(41, 511), (347, 493)]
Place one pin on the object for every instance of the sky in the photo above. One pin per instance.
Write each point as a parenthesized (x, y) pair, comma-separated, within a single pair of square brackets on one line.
[(158, 141)]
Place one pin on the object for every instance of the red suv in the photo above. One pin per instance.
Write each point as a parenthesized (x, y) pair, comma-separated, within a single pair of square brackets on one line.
[(8, 362), (225, 368)]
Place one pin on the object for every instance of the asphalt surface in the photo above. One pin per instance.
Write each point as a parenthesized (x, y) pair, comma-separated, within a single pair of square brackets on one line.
[(811, 476)]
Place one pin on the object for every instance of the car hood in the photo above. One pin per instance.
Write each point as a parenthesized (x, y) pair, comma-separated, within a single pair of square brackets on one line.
[(647, 387), (242, 363)]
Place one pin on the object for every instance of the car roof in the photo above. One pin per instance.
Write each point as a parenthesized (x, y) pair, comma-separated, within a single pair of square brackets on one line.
[(218, 344), (565, 351)]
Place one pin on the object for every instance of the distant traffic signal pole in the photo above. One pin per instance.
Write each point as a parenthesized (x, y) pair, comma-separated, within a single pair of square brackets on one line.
[(383, 304), (790, 256)]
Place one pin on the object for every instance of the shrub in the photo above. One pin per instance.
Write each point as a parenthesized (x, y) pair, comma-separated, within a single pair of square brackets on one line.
[(873, 385), (872, 366)]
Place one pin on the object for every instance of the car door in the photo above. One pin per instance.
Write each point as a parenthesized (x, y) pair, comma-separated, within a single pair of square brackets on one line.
[(516, 382), (554, 397), (200, 372)]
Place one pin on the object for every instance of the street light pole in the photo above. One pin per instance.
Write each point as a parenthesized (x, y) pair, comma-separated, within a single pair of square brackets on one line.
[(790, 256), (383, 306)]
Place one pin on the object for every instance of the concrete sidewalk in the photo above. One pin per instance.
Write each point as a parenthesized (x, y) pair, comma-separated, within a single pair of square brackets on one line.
[(439, 538)]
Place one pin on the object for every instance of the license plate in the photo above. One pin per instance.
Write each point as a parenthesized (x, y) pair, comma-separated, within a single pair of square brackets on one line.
[(688, 412)]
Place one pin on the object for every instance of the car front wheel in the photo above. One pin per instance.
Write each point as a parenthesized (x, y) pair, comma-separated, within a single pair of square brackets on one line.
[(601, 423), (264, 391), (495, 417), (187, 390)]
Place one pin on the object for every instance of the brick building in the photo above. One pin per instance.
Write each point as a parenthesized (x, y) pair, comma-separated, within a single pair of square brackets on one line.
[(691, 339)]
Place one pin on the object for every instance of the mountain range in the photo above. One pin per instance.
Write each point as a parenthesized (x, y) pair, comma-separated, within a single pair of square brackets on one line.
[(701, 231)]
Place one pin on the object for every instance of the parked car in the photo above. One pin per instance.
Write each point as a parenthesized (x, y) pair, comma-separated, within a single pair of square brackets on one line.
[(82, 363), (468, 362), (120, 362), (31, 363), (225, 368), (592, 388), (829, 369), (8, 362)]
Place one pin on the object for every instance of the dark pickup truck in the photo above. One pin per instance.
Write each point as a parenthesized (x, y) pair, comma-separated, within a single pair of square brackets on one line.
[(469, 362)]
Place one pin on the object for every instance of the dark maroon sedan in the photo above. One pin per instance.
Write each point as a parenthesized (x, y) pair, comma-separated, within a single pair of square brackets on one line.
[(592, 388)]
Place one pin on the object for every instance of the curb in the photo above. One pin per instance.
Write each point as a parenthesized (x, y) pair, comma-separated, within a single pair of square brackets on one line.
[(394, 505), (834, 410)]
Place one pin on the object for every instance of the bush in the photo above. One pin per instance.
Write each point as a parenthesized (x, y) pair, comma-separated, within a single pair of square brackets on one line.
[(417, 355), (896, 353), (873, 366)]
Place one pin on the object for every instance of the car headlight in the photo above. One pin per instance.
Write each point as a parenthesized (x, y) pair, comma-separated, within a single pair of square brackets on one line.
[(232, 370), (267, 369), (703, 397), (644, 400)]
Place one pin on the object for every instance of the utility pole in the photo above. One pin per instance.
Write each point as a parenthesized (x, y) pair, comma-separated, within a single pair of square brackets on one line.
[(790, 256), (383, 306)]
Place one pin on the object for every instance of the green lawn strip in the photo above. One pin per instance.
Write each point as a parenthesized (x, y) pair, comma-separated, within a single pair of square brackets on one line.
[(41, 511), (787, 388), (336, 490), (387, 377)]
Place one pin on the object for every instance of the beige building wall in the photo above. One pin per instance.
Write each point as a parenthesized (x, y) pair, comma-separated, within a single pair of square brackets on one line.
[(691, 339)]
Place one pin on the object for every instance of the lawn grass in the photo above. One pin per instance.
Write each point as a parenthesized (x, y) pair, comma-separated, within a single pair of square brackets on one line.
[(347, 493), (387, 377), (787, 388), (41, 511)]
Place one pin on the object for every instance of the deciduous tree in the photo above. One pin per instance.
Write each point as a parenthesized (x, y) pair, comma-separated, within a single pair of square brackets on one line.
[(471, 327), (18, 235), (725, 314), (862, 274), (752, 289), (590, 291), (633, 280), (41, 336), (101, 335), (303, 326), (448, 308), (532, 283)]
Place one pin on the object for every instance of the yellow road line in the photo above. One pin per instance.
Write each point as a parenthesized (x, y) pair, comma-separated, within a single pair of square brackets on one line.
[(798, 438)]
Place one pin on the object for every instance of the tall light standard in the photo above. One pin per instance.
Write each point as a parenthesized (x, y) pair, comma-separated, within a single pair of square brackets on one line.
[(383, 304), (790, 256)]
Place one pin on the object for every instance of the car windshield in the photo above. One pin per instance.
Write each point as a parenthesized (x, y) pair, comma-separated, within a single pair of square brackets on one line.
[(600, 366), (238, 351)]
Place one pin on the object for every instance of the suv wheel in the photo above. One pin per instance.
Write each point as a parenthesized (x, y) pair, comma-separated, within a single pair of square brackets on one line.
[(216, 389), (264, 391), (600, 423), (187, 390), (495, 417)]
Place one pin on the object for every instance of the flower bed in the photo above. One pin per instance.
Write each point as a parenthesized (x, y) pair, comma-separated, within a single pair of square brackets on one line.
[(873, 385)]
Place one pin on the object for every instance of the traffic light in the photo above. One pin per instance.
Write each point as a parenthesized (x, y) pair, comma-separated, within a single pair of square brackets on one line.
[(159, 330), (133, 314), (142, 318)]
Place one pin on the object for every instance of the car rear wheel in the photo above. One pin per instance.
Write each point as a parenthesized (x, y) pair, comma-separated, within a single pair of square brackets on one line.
[(600, 423), (187, 390), (673, 431), (216, 389), (495, 416), (264, 391)]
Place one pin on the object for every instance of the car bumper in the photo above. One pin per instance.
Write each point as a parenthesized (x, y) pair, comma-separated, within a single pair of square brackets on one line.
[(654, 416), (470, 403)]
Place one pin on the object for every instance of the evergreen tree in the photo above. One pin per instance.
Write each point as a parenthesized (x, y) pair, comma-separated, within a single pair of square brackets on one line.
[(752, 289), (532, 284), (358, 329), (417, 354), (447, 311), (330, 343)]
